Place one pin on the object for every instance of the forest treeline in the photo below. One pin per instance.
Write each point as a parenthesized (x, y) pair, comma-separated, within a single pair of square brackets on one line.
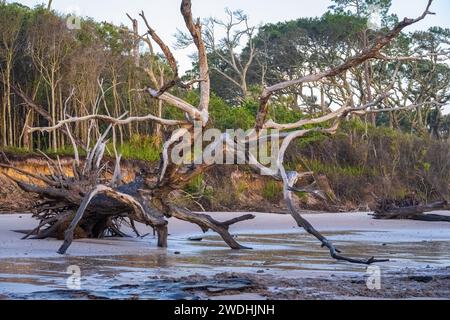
[(49, 70)]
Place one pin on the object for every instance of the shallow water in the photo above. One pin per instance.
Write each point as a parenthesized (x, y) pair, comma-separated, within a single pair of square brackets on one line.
[(159, 275)]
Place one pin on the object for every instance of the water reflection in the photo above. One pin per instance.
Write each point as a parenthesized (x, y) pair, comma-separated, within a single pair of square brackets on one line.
[(140, 276)]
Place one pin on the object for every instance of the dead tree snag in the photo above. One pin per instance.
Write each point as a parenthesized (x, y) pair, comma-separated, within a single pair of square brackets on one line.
[(94, 205)]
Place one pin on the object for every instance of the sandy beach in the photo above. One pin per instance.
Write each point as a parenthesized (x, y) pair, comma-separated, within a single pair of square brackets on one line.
[(386, 231), (283, 262)]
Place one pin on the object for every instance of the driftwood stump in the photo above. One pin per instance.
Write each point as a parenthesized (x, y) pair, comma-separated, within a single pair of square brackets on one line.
[(411, 208)]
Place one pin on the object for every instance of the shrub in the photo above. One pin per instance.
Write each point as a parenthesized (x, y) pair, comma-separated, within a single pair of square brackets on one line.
[(363, 160), (141, 147), (272, 191)]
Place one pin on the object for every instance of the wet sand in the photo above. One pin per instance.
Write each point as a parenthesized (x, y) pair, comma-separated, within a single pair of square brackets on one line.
[(285, 263)]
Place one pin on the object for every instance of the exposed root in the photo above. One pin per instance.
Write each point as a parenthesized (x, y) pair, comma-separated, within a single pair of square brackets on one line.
[(128, 200)]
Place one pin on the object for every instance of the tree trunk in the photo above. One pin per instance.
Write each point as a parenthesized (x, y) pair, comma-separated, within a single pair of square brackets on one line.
[(389, 210)]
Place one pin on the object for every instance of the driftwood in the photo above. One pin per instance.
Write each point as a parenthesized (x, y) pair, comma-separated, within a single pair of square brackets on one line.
[(411, 209), (93, 205), (84, 204)]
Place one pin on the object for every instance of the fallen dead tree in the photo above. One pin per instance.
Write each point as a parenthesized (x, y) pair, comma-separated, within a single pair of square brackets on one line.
[(90, 203), (84, 203), (412, 210)]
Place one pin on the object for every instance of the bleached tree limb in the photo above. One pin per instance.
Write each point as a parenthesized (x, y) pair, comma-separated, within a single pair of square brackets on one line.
[(170, 99), (149, 194), (196, 32), (371, 52), (108, 119), (30, 103), (206, 222), (165, 49)]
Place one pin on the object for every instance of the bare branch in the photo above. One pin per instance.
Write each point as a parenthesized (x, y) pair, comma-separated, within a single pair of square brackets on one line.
[(108, 119), (371, 52), (196, 32), (165, 49), (206, 222), (193, 112)]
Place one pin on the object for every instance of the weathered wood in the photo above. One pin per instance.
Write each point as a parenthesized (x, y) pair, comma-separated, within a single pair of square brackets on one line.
[(94, 204), (372, 52), (206, 222), (138, 213), (290, 180), (388, 210), (29, 102)]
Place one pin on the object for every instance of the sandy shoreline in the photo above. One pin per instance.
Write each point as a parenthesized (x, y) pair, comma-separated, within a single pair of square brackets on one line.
[(285, 262), (383, 231)]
